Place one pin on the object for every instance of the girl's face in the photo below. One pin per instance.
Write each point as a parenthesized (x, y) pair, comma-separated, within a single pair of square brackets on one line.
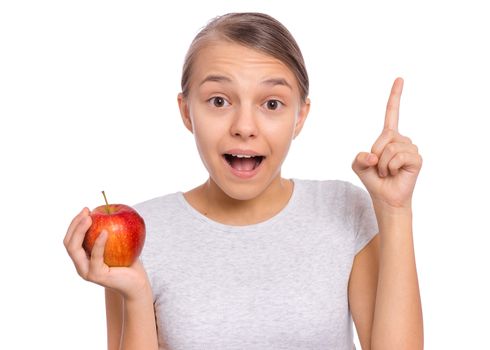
[(244, 109)]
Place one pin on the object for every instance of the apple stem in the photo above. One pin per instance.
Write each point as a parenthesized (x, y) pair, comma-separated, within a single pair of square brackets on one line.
[(106, 203)]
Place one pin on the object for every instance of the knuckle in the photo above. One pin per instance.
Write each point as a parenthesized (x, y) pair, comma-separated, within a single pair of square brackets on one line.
[(71, 248), (403, 138), (81, 272), (70, 252), (91, 275), (397, 161), (83, 275), (392, 104), (377, 148), (391, 148), (393, 170)]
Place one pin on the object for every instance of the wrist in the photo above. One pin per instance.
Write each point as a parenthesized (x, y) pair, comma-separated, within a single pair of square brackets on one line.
[(392, 219), (139, 303), (386, 209), (140, 294)]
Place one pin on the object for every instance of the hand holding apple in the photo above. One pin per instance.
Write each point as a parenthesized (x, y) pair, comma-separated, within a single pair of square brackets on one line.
[(125, 229), (131, 282)]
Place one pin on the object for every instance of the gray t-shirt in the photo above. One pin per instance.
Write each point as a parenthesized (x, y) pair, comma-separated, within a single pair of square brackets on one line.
[(277, 285)]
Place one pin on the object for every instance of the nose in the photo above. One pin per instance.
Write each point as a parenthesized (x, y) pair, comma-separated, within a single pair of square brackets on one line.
[(244, 123)]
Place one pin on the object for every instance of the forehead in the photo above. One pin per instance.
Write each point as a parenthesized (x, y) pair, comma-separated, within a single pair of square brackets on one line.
[(238, 62)]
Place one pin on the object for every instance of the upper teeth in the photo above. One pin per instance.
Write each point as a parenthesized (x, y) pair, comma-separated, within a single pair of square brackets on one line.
[(242, 155)]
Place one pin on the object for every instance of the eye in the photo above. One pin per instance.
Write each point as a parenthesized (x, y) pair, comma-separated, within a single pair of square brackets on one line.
[(218, 101), (273, 104)]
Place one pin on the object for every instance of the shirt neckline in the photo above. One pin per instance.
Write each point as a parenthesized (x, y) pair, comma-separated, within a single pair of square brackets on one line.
[(260, 226)]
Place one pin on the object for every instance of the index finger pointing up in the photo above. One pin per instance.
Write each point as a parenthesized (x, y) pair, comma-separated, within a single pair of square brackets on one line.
[(393, 106)]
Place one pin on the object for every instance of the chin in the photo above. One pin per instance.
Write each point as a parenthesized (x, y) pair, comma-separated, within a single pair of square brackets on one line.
[(243, 185), (243, 192)]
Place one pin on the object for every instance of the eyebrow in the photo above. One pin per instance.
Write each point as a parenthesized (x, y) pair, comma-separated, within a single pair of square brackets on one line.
[(277, 81), (216, 78), (224, 79)]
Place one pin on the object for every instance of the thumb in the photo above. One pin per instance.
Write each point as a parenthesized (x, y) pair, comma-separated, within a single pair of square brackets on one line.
[(364, 161), (97, 256)]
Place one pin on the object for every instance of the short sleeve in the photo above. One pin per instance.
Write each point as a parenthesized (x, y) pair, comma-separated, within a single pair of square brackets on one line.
[(365, 223)]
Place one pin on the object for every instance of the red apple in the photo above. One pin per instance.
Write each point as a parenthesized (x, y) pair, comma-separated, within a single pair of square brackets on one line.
[(126, 233)]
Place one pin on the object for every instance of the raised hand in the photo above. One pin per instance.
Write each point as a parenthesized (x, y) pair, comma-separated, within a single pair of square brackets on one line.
[(128, 281), (389, 172)]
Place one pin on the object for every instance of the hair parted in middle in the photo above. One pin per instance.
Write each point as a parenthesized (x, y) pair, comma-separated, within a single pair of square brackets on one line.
[(254, 30)]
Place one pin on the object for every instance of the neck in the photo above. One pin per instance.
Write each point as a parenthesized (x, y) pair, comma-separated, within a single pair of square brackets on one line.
[(210, 200)]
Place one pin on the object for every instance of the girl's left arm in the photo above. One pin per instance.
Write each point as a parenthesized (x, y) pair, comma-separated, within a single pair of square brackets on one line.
[(386, 268), (397, 321)]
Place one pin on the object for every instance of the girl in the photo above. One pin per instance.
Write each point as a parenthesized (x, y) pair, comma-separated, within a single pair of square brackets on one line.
[(249, 259)]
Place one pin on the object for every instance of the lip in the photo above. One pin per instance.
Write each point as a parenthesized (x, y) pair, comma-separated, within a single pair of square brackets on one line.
[(243, 174), (245, 152)]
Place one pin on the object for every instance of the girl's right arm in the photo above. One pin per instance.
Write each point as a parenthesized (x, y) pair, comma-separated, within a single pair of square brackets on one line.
[(114, 316), (130, 314)]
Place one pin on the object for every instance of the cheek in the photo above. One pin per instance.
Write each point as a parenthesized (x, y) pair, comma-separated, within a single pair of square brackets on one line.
[(207, 135), (280, 133), (205, 146)]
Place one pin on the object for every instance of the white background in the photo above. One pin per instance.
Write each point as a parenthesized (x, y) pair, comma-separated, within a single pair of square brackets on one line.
[(88, 103)]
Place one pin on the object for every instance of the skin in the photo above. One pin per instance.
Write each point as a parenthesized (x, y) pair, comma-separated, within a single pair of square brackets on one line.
[(244, 81), (129, 300), (228, 108), (383, 290)]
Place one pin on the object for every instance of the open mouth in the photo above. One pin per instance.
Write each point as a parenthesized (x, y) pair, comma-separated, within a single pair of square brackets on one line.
[(243, 162)]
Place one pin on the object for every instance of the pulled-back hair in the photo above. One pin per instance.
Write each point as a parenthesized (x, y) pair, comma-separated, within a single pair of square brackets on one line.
[(257, 31)]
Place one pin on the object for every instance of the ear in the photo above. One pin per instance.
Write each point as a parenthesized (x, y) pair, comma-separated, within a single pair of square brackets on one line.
[(303, 113), (184, 112)]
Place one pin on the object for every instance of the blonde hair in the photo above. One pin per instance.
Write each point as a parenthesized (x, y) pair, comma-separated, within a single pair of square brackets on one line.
[(256, 31)]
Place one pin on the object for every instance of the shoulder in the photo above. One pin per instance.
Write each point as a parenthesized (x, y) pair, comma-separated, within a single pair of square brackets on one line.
[(337, 200), (162, 215), (338, 191), (158, 205)]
